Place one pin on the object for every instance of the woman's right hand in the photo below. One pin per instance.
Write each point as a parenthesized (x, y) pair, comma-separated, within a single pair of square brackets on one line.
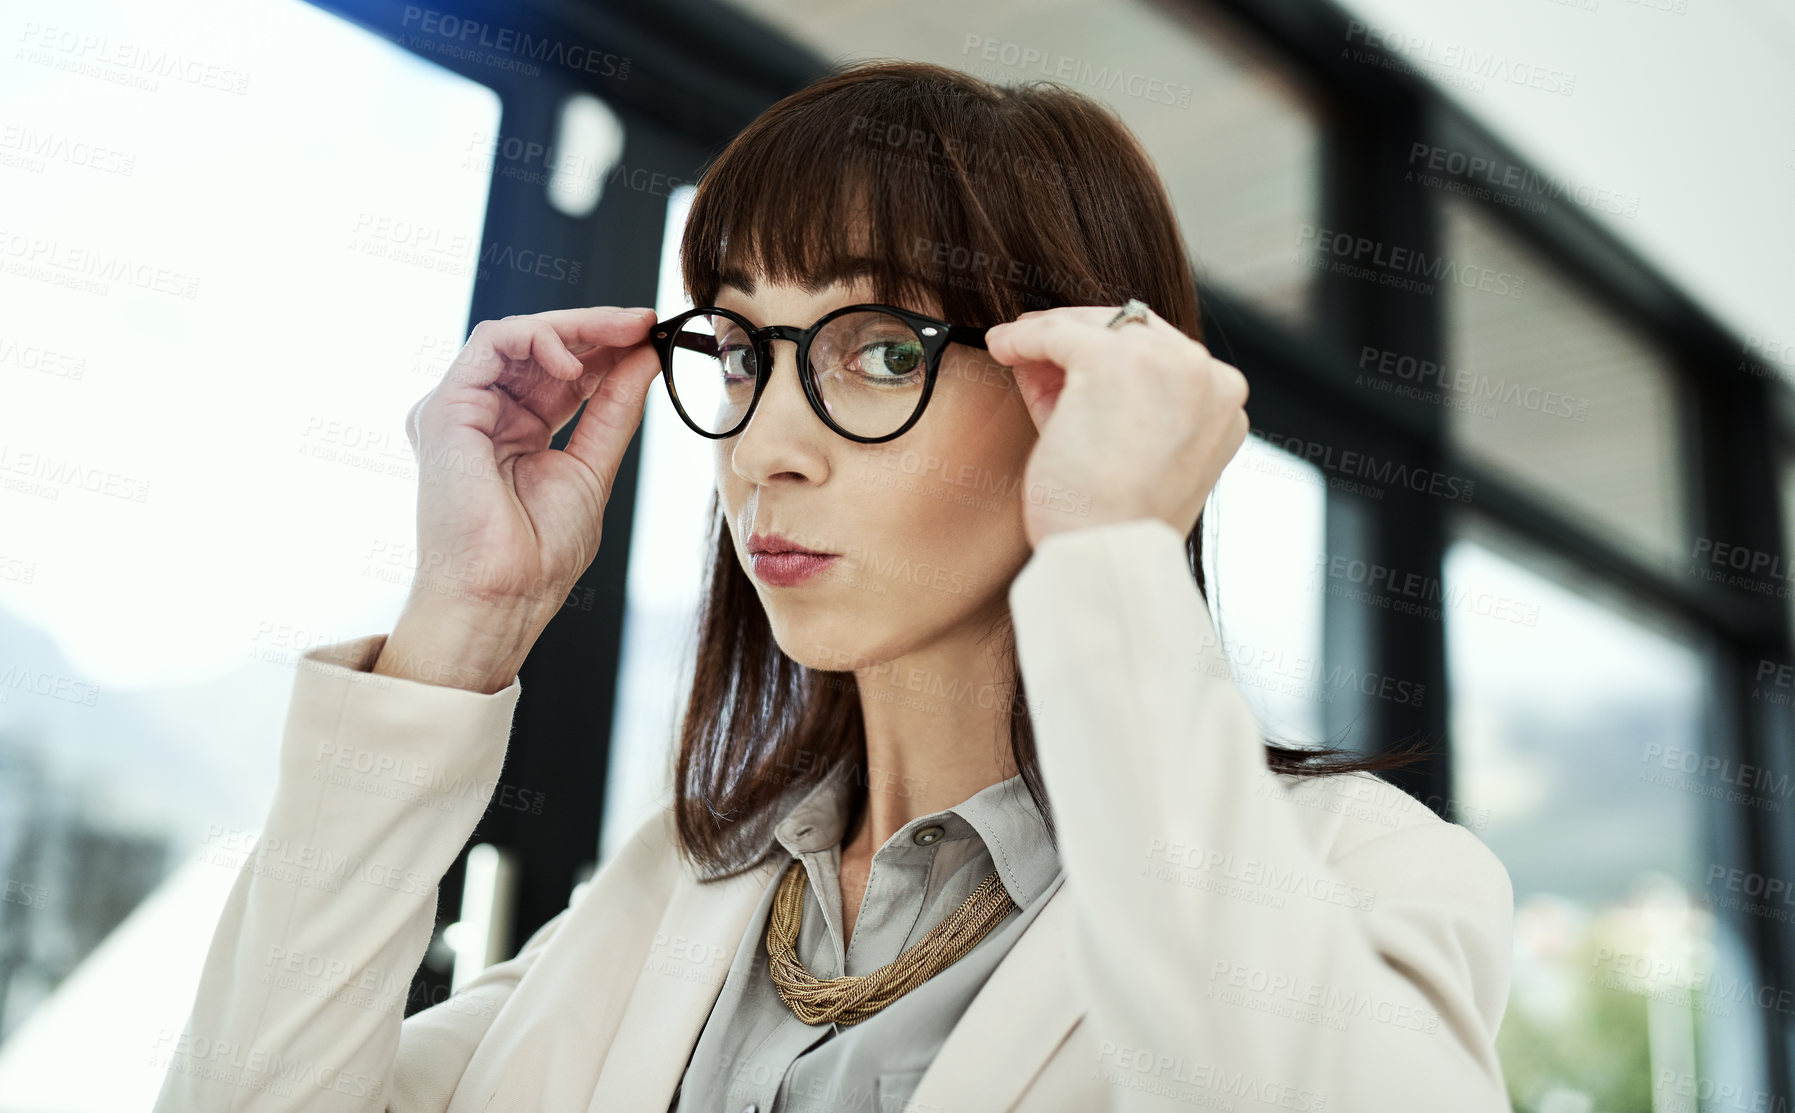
[(507, 525)]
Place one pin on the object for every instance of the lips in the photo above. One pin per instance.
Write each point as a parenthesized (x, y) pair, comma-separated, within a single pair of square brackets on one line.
[(773, 543), (786, 569), (779, 562)]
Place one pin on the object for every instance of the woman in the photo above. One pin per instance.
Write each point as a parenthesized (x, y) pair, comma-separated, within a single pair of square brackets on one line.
[(888, 878)]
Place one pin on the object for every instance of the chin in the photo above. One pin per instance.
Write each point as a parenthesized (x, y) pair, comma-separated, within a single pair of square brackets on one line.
[(833, 639), (828, 621)]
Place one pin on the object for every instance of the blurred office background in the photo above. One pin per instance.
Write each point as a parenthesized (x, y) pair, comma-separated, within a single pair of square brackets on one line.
[(238, 240)]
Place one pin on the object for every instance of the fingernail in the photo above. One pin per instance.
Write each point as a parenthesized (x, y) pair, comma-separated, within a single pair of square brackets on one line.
[(640, 311)]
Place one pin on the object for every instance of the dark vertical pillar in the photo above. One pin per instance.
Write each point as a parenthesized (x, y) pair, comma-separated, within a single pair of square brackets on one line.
[(1399, 655), (1732, 475)]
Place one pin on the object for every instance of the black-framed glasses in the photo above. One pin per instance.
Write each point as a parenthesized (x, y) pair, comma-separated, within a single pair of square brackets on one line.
[(867, 369)]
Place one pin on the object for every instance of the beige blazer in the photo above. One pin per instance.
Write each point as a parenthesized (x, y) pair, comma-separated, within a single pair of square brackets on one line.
[(1223, 937)]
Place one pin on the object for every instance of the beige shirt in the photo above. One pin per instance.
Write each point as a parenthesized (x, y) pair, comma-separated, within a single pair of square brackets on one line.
[(755, 1054)]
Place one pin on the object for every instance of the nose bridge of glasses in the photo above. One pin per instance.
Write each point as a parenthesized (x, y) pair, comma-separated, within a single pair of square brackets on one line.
[(764, 338), (781, 332)]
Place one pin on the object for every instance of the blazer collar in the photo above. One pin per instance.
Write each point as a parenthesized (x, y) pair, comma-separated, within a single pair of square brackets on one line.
[(1003, 815)]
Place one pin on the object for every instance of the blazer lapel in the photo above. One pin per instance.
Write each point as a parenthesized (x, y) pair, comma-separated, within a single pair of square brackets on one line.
[(676, 988), (1012, 1026)]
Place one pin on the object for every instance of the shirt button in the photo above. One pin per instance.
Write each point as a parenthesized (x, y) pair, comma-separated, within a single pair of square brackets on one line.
[(926, 835)]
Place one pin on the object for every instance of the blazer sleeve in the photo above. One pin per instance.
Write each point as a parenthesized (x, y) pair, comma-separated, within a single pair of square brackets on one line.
[(301, 1000), (1212, 938)]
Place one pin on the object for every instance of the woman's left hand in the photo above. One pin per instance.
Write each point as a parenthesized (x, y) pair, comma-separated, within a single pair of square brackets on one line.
[(1135, 421)]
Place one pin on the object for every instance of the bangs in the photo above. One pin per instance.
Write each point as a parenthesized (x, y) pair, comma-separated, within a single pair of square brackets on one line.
[(885, 179)]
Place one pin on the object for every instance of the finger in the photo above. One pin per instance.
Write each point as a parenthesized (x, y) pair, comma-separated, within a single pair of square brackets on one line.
[(497, 349), (1098, 315), (1238, 380), (537, 372), (1040, 385), (582, 330), (613, 414), (1060, 339), (585, 343), (546, 338), (532, 340), (548, 398)]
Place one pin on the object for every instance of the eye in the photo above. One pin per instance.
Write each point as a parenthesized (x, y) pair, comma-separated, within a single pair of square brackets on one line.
[(734, 360), (735, 353), (888, 359)]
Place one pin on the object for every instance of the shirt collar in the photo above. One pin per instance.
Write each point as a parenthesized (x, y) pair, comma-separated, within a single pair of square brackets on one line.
[(1004, 815)]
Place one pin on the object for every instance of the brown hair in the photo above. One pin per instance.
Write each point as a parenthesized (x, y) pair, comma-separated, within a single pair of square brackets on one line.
[(977, 202)]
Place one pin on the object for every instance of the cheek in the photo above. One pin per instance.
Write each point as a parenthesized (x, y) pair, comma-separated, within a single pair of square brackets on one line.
[(977, 435), (936, 521), (732, 489), (945, 500), (973, 389)]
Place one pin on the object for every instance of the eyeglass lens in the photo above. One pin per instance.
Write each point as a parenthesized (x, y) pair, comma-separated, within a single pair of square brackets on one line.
[(869, 368)]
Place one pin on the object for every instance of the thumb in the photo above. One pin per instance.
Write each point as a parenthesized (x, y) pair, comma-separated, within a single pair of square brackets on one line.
[(1040, 385), (613, 413)]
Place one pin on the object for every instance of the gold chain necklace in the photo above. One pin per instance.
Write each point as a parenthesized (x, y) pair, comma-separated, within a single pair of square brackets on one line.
[(851, 999)]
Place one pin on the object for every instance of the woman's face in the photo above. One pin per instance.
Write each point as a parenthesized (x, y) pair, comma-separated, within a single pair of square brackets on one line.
[(926, 527)]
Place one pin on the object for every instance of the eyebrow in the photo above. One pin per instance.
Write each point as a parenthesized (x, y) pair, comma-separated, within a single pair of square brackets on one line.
[(844, 270)]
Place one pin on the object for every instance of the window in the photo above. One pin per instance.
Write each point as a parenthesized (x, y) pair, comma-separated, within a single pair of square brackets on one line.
[(223, 292), (1263, 553), (1557, 391), (1580, 719)]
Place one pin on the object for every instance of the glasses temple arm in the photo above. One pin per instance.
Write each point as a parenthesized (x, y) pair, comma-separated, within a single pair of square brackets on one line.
[(697, 342)]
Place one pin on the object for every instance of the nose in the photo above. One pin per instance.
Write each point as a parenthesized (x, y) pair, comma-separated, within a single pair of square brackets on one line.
[(783, 437)]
